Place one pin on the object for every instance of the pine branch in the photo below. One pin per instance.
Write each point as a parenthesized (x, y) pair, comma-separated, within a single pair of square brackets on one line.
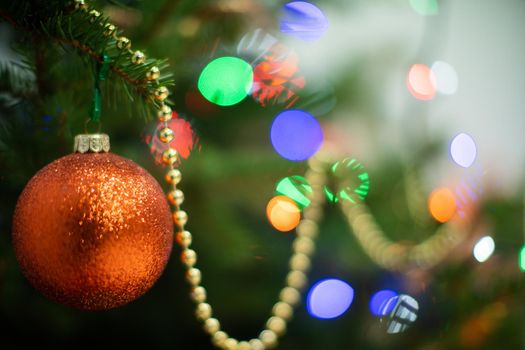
[(17, 78), (89, 35)]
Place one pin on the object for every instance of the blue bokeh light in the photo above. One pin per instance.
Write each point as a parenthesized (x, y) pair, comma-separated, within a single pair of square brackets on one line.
[(303, 20), (296, 135), (329, 298), (379, 305)]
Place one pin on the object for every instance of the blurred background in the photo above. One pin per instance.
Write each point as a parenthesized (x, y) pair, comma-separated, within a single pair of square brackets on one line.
[(427, 95)]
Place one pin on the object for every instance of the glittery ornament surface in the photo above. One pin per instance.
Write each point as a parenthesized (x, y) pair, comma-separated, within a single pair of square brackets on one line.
[(92, 231)]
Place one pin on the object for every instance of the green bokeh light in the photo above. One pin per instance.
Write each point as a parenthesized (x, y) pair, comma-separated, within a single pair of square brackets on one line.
[(226, 81), (425, 7), (353, 182), (296, 188)]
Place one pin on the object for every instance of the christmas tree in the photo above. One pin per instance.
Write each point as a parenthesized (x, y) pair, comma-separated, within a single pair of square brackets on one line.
[(325, 147)]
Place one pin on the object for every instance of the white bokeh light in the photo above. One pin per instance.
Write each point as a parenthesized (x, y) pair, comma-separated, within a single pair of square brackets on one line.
[(446, 78), (483, 249), (463, 150)]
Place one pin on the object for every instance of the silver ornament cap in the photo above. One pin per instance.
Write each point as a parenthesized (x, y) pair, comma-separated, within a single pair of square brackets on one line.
[(94, 143)]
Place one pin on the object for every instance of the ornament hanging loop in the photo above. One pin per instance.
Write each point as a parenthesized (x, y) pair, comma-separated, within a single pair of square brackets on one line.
[(89, 122), (100, 75)]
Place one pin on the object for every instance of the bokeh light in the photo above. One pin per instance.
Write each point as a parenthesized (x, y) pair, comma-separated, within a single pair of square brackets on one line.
[(303, 20), (421, 82), (276, 78), (226, 81), (353, 182), (442, 204), (425, 7), (483, 249), (283, 213), (379, 305), (296, 188), (296, 135), (403, 314), (184, 140), (329, 298), (463, 150), (446, 78), (522, 258)]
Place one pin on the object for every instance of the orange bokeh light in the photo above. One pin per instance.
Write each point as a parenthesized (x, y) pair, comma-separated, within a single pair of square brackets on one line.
[(421, 82), (283, 213), (442, 204)]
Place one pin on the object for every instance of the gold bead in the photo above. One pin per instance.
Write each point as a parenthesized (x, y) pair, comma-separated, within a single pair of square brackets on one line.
[(180, 218), (138, 57), (290, 296), (166, 135), (109, 29), (194, 276), (230, 344), (198, 294), (80, 5), (176, 197), (123, 43), (184, 239), (256, 344), (276, 325), (219, 338), (161, 93), (94, 14), (283, 310), (212, 325), (313, 214), (153, 74), (170, 156), (268, 338), (296, 279), (304, 245), (173, 176), (300, 261), (189, 257), (244, 345), (203, 311), (307, 228), (164, 114)]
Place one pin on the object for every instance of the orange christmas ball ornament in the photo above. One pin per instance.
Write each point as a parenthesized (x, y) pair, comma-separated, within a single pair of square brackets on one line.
[(92, 230)]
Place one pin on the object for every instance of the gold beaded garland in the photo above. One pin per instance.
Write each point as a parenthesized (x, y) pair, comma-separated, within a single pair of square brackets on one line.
[(180, 218), (109, 29), (161, 93), (290, 296), (189, 257), (123, 43), (184, 238), (164, 114), (80, 5), (303, 246), (212, 325), (166, 135), (138, 57), (94, 14), (173, 177), (170, 156), (193, 276), (153, 74)]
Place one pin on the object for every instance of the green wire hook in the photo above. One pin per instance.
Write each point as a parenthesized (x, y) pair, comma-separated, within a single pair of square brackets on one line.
[(101, 75)]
